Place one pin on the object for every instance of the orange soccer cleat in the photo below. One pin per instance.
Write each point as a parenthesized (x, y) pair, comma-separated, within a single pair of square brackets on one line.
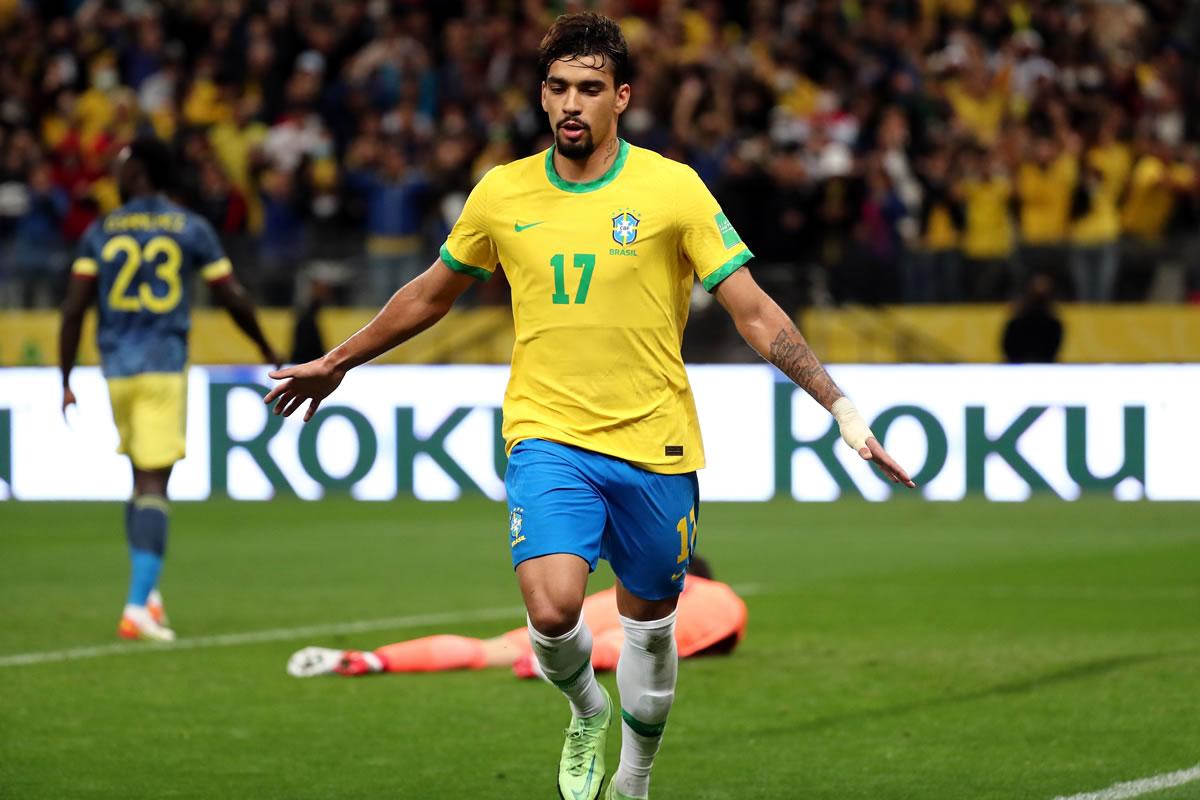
[(158, 612), (137, 623)]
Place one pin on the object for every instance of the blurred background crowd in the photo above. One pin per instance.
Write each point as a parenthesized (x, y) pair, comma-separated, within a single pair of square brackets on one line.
[(869, 152)]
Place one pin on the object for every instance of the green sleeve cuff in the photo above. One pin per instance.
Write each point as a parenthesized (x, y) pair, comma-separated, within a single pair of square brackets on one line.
[(458, 266), (725, 270)]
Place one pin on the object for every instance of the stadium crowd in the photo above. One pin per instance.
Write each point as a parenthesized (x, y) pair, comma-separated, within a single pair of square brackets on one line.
[(920, 151)]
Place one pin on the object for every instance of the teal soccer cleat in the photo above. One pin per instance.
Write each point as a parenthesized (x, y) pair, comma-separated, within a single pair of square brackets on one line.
[(614, 794)]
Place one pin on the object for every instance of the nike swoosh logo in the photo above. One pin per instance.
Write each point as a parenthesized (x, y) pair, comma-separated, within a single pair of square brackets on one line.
[(587, 787), (677, 576), (518, 227)]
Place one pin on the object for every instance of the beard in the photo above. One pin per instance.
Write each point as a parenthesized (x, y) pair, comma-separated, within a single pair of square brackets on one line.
[(577, 150)]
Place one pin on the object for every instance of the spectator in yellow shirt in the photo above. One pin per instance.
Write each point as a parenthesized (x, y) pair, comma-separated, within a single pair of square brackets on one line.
[(1157, 178), (1096, 221), (935, 271), (987, 242), (980, 102), (1112, 154), (94, 109), (1045, 182), (234, 142)]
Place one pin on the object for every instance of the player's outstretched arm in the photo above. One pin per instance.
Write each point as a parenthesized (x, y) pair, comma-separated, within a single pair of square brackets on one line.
[(415, 307), (230, 295), (81, 293), (766, 328)]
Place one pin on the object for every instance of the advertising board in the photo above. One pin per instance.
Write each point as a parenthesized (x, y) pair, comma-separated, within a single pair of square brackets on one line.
[(1005, 433)]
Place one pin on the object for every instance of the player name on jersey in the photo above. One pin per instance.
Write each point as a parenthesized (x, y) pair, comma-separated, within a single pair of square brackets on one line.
[(173, 222)]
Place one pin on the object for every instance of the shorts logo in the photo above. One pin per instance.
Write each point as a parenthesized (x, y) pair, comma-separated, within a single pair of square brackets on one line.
[(625, 226), (515, 522)]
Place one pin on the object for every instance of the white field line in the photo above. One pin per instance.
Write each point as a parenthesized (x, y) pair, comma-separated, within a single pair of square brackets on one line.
[(1155, 783), (284, 634), (1001, 590), (257, 637)]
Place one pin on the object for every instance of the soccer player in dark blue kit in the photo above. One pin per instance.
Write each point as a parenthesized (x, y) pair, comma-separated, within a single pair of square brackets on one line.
[(138, 265)]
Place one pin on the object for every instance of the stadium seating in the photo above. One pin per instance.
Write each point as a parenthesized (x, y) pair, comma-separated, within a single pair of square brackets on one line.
[(870, 153)]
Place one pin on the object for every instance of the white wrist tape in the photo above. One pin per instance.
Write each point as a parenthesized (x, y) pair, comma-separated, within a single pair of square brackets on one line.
[(853, 427)]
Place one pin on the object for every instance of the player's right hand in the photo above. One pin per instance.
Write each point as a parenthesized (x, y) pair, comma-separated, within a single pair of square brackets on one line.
[(313, 382), (68, 400)]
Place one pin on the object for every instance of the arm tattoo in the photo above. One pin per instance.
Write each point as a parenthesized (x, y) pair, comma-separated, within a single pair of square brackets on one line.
[(795, 359)]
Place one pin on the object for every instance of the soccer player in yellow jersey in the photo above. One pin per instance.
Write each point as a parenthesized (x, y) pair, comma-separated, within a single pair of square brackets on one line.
[(600, 241)]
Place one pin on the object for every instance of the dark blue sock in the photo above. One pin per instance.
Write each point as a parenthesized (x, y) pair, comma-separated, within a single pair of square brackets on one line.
[(147, 535)]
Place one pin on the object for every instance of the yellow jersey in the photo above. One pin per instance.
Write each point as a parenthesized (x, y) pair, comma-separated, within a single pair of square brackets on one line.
[(982, 116), (988, 232), (1045, 195), (941, 233), (1102, 223), (1151, 196), (601, 276)]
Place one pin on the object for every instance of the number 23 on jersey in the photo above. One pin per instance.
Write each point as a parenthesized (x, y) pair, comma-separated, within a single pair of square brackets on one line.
[(132, 291)]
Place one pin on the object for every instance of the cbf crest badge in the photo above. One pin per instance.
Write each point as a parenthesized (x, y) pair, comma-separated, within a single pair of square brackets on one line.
[(516, 521), (625, 226)]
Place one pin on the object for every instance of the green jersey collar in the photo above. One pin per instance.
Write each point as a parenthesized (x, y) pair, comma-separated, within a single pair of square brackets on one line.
[(590, 186)]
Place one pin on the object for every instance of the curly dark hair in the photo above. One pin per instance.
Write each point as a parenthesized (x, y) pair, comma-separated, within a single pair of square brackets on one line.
[(155, 160), (586, 34)]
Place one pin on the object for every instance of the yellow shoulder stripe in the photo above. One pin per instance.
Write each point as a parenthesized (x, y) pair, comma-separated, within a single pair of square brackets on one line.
[(217, 270), (85, 266)]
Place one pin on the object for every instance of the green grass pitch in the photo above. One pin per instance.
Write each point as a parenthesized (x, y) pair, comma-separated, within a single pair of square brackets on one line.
[(897, 650)]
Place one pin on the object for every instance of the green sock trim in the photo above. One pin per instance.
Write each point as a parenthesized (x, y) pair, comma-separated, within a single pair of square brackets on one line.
[(563, 684), (642, 728)]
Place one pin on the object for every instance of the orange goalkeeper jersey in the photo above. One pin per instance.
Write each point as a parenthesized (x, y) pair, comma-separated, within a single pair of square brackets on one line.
[(709, 613)]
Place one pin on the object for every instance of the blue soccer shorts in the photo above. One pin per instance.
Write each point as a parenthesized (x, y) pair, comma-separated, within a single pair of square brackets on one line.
[(564, 499)]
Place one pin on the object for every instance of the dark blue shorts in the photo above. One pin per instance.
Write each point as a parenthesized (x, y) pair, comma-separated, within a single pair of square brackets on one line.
[(564, 499)]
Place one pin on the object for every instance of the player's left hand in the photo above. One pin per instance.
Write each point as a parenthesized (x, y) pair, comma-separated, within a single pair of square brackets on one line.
[(887, 465), (68, 400)]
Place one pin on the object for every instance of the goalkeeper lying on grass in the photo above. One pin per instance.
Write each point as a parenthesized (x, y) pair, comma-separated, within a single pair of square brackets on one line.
[(711, 620)]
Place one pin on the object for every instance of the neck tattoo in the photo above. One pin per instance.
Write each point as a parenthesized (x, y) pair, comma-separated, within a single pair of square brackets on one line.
[(611, 152)]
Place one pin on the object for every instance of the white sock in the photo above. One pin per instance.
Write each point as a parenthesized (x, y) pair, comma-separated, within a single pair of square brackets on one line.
[(536, 666), (139, 614), (566, 662), (646, 674)]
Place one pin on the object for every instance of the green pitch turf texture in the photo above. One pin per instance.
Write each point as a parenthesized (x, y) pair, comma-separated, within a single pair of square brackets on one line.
[(900, 650)]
